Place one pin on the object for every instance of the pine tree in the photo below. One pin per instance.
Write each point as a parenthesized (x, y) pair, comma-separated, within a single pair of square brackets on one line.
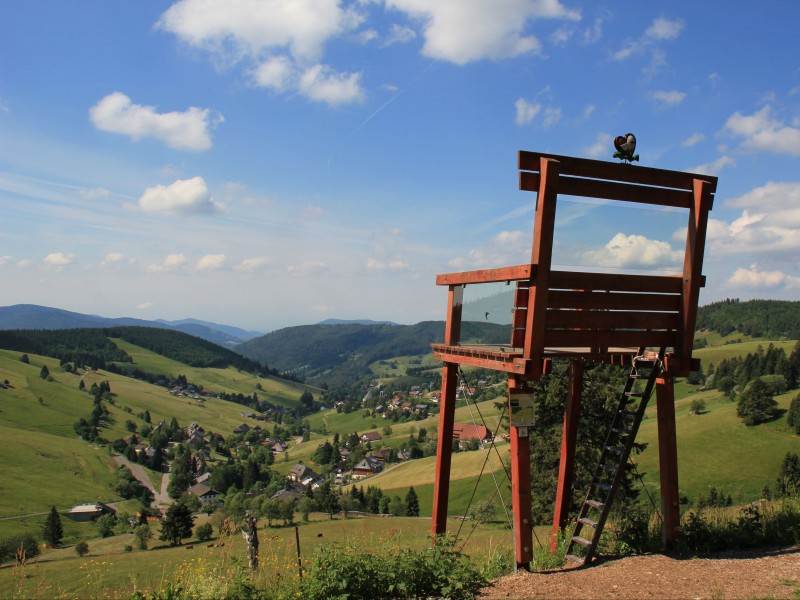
[(53, 531), (412, 503), (178, 524), (793, 418)]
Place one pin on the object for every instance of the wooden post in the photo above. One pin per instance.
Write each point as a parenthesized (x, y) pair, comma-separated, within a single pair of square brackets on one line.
[(541, 256), (521, 489), (566, 466), (668, 459), (447, 409)]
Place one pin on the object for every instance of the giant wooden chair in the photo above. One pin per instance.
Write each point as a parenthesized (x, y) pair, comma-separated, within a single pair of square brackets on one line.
[(646, 322)]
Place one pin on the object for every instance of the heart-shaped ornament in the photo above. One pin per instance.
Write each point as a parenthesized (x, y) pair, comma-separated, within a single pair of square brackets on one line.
[(626, 146)]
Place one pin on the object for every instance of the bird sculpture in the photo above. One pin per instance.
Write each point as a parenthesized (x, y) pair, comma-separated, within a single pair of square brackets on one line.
[(626, 146)]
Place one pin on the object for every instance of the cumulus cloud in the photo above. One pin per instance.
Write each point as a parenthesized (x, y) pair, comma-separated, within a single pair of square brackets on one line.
[(282, 41), (4, 260), (323, 84), (399, 34), (183, 197), (768, 223), (761, 132), (59, 259), (693, 140), (603, 144), (635, 252), (211, 262), (463, 32), (112, 259), (188, 130), (755, 279), (171, 263)]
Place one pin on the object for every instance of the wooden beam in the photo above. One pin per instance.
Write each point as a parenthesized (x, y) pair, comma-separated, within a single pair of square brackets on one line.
[(560, 338), (600, 169), (615, 282), (488, 275), (612, 190), (611, 319), (566, 465), (614, 300), (693, 266)]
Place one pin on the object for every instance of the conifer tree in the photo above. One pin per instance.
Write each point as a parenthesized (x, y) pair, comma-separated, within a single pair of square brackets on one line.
[(412, 503), (53, 531)]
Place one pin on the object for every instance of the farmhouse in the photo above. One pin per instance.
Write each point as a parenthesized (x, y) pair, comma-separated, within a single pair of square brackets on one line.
[(370, 436), (204, 492), (302, 474), (89, 512), (465, 432), (369, 466)]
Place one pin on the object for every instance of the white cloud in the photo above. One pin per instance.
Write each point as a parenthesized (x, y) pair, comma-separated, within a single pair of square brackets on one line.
[(693, 140), (211, 262), (250, 265), (24, 263), (187, 130), (235, 29), (551, 116), (664, 29), (4, 260), (769, 223), (508, 237), (171, 263), (462, 32), (668, 98), (183, 197), (145, 306), (111, 259), (399, 34), (526, 111), (755, 279), (95, 193), (311, 212), (373, 264), (59, 259), (277, 72), (714, 167), (323, 84), (281, 40), (660, 30), (603, 145), (635, 252), (763, 133)]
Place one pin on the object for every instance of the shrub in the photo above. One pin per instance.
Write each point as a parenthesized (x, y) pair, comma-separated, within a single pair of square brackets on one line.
[(16, 547), (349, 571), (204, 532), (82, 548)]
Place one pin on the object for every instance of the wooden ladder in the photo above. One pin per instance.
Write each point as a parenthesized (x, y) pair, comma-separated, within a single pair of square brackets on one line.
[(614, 456)]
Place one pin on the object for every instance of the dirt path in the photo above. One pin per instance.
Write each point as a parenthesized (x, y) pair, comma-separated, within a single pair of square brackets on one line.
[(160, 496), (764, 574)]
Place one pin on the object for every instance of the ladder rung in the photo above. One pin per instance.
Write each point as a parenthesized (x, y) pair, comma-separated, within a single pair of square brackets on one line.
[(575, 559), (601, 485), (582, 541), (595, 504), (588, 522), (616, 449), (627, 413), (634, 394), (621, 430), (608, 467)]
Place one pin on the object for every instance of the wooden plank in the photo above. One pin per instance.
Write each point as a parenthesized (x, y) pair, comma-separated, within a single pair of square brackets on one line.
[(613, 300), (441, 485), (599, 169), (595, 339), (487, 275), (516, 365), (590, 319), (618, 282), (455, 304), (609, 190), (668, 460)]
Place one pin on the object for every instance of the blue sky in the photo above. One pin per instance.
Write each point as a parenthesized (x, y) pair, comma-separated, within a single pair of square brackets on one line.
[(275, 163)]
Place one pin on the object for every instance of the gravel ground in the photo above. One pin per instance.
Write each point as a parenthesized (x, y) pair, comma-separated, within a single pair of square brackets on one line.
[(773, 574)]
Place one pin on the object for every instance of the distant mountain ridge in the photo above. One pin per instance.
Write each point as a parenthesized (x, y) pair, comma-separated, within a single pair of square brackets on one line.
[(33, 316)]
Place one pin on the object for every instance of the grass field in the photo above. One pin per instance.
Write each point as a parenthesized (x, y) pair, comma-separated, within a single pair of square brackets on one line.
[(109, 571)]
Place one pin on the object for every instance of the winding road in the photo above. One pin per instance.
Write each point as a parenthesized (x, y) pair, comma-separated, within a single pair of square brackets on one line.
[(160, 497)]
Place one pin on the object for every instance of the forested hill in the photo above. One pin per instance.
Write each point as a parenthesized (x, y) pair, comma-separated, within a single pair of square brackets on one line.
[(94, 348), (771, 319), (311, 350)]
